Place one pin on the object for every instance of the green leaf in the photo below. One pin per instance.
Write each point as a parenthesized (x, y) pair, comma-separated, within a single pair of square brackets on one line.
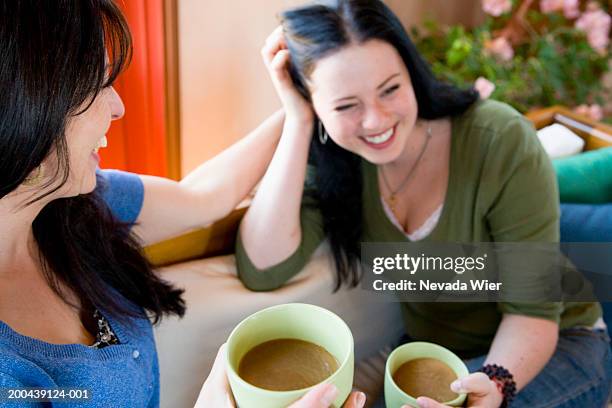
[(555, 64)]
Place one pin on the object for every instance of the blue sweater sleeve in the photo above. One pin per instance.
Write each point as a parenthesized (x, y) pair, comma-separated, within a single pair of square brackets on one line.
[(123, 192)]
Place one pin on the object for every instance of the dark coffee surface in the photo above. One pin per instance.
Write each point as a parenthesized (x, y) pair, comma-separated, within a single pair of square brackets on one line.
[(286, 364), (426, 377)]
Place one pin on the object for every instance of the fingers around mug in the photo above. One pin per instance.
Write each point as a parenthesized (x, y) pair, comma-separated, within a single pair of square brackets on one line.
[(321, 396), (475, 383), (229, 402), (357, 399), (216, 387), (217, 373), (425, 402)]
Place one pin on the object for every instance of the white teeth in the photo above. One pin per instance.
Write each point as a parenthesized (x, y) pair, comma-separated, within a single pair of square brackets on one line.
[(381, 138), (103, 142)]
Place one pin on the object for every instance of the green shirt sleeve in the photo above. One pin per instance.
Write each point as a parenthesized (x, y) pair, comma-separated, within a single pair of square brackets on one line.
[(275, 276), (524, 209)]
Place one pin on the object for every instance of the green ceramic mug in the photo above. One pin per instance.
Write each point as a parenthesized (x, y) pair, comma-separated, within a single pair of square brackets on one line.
[(293, 321), (394, 396)]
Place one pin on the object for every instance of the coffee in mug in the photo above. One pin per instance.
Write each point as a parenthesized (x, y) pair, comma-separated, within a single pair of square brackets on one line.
[(286, 365), (426, 377), (418, 369), (310, 324)]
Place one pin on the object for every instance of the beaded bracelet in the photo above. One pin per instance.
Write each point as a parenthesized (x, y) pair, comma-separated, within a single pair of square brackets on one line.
[(504, 381)]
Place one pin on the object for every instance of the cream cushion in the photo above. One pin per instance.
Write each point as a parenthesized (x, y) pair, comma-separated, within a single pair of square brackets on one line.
[(559, 141)]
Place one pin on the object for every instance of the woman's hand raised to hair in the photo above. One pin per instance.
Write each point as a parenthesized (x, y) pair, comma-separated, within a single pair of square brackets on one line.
[(216, 391), (276, 208), (277, 59)]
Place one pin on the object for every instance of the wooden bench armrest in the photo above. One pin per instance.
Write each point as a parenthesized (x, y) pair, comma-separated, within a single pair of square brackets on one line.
[(216, 239), (595, 134)]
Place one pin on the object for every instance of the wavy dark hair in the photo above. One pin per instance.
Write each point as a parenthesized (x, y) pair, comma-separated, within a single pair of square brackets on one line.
[(317, 31), (53, 64)]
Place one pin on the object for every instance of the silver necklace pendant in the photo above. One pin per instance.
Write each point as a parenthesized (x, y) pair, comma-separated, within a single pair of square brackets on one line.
[(391, 200)]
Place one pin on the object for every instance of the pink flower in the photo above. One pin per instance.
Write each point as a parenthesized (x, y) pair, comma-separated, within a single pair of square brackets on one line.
[(596, 24), (571, 9), (500, 48), (594, 111), (484, 87), (549, 6), (496, 7), (582, 110)]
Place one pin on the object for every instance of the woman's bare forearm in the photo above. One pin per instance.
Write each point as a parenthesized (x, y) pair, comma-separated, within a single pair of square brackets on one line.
[(229, 177), (271, 231), (209, 192), (523, 345)]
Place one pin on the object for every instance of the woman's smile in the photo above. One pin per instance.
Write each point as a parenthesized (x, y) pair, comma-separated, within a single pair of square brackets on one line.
[(102, 143), (381, 140)]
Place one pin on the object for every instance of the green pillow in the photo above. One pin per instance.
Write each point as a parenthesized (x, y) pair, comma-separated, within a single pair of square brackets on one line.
[(586, 177)]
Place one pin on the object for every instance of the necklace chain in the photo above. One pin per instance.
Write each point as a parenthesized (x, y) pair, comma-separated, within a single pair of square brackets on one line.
[(393, 196)]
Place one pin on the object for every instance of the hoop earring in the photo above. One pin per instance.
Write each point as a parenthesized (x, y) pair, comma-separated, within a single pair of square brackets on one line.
[(323, 136), (34, 178)]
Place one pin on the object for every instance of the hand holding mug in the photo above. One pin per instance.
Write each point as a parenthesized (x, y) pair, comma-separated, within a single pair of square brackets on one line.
[(216, 391), (481, 391)]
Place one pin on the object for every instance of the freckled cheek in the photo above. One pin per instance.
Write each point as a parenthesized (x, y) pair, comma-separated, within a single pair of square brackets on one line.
[(344, 133), (406, 106)]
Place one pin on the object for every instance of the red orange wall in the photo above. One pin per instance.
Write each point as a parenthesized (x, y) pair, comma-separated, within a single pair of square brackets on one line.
[(137, 142)]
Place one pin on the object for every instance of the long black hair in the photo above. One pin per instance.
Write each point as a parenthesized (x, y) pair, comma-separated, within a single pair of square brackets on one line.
[(316, 31), (55, 58)]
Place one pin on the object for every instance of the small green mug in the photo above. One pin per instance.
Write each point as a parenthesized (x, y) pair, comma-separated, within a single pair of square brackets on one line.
[(290, 321), (394, 396)]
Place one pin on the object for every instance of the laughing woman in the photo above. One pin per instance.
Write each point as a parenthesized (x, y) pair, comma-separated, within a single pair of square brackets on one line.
[(76, 293), (398, 156)]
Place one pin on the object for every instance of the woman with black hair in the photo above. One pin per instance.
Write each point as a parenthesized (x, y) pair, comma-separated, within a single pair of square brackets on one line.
[(76, 293), (398, 156)]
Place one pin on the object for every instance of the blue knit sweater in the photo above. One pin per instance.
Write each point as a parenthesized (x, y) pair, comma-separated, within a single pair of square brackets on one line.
[(122, 375)]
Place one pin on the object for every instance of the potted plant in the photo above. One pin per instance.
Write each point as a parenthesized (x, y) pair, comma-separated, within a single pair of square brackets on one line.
[(529, 53)]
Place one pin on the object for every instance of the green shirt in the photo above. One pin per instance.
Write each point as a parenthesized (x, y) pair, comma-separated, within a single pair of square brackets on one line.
[(501, 188)]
